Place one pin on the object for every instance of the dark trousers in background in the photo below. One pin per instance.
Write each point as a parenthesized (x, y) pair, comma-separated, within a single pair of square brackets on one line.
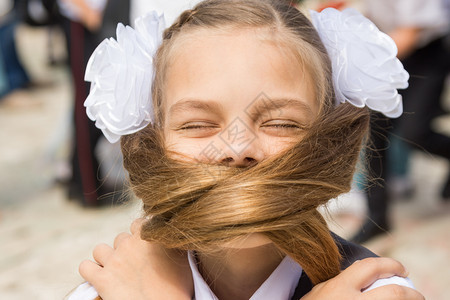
[(85, 184), (377, 195), (15, 74), (428, 68)]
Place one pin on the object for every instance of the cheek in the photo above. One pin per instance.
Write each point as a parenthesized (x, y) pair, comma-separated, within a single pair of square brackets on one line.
[(275, 145), (186, 149)]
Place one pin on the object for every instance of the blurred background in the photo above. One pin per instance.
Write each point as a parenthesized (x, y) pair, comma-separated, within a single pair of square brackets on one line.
[(55, 207)]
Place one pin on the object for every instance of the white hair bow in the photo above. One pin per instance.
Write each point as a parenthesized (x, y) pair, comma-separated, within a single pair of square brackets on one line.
[(121, 76), (366, 70)]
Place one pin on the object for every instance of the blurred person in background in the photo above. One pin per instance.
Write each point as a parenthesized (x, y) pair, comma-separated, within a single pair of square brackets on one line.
[(85, 24), (43, 13), (421, 31), (12, 73), (170, 8)]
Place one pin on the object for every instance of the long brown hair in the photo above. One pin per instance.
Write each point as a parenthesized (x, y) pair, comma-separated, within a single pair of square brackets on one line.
[(199, 207)]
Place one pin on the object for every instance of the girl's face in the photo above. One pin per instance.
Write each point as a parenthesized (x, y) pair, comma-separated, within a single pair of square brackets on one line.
[(234, 99)]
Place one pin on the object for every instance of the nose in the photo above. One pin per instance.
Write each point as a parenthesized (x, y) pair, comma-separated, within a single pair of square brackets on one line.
[(239, 162), (242, 151)]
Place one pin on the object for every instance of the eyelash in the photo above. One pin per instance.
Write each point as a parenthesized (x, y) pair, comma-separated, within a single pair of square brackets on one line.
[(187, 127), (284, 126)]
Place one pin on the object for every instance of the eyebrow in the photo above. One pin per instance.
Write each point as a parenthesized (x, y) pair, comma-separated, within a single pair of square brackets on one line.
[(271, 104), (193, 104), (254, 110)]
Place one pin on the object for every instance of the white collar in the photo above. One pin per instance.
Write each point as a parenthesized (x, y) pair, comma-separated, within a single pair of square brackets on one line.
[(281, 283)]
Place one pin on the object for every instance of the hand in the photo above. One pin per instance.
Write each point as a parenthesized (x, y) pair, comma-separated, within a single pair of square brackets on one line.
[(91, 18), (349, 284), (137, 269)]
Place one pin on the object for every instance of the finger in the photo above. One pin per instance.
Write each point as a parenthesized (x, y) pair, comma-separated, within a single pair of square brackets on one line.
[(89, 270), (136, 225), (120, 238), (101, 253), (393, 292), (363, 273)]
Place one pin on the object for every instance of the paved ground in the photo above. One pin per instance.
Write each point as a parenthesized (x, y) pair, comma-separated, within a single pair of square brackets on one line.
[(43, 236)]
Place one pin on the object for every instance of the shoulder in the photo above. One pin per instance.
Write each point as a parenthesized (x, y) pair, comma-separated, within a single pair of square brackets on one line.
[(84, 291), (391, 280), (351, 252)]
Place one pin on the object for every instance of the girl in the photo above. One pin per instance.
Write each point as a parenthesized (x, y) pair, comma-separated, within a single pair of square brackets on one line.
[(246, 139)]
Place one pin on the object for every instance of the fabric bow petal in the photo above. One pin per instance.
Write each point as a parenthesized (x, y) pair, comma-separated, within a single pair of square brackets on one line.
[(121, 74), (366, 70)]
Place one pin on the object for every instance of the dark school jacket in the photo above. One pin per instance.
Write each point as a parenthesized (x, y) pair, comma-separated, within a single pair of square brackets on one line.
[(350, 253)]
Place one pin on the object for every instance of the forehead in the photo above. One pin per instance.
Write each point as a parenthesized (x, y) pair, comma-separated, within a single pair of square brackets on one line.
[(231, 42), (239, 63)]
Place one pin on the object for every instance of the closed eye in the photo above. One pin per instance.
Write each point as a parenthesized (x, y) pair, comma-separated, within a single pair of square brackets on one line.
[(282, 127), (283, 124), (197, 126), (198, 129)]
